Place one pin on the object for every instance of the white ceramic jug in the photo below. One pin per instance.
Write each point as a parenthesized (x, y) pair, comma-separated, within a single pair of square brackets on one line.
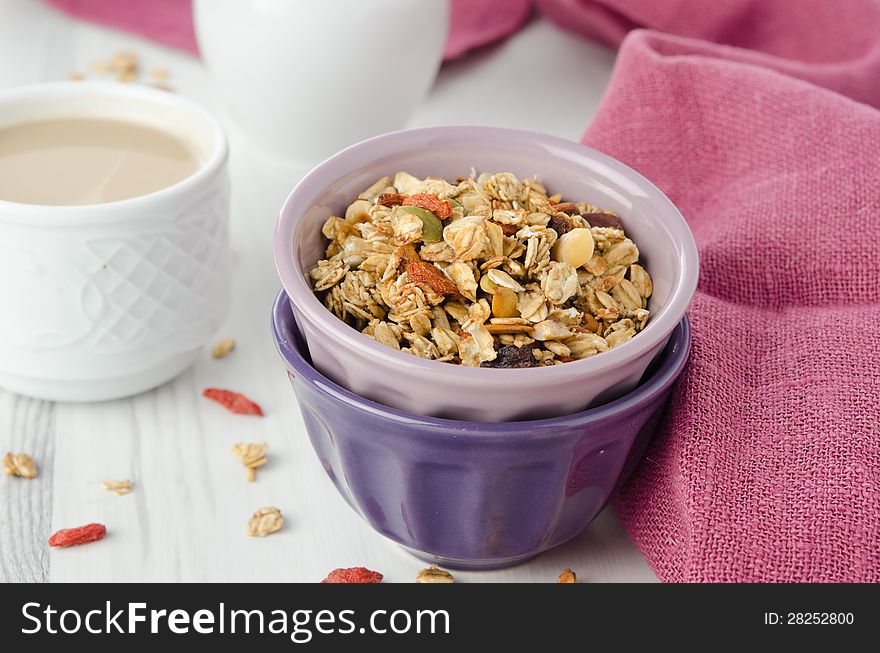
[(305, 78)]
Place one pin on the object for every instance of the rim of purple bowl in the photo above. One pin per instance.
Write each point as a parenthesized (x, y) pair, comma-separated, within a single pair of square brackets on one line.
[(359, 154), (673, 356)]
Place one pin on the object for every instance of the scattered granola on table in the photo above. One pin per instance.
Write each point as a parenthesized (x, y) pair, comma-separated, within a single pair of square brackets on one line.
[(119, 487), (490, 271), (223, 348), (434, 574), (265, 522), (567, 576), (251, 456), (19, 464)]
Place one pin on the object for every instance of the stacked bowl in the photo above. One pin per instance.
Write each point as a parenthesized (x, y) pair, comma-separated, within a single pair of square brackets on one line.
[(469, 466)]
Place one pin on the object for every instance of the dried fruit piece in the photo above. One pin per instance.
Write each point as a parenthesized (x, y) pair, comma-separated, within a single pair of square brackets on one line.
[(432, 228), (440, 208), (512, 357), (404, 255), (353, 575), (504, 302), (118, 487), (429, 275), (222, 348), (19, 464), (234, 402), (569, 208), (567, 576), (602, 220), (251, 456), (75, 536), (265, 522), (574, 247), (590, 323), (560, 224), (390, 199), (434, 574), (508, 229)]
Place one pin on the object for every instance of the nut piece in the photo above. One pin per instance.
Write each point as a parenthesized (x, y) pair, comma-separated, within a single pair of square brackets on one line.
[(487, 284), (222, 348), (119, 487), (504, 302), (358, 211), (251, 456), (265, 522), (574, 247), (434, 575), (567, 576), (19, 464), (497, 329)]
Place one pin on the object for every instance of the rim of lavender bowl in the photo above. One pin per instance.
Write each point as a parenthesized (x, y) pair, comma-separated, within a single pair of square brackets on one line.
[(356, 156), (672, 359)]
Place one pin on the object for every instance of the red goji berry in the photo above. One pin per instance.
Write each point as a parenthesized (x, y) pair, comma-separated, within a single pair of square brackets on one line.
[(233, 401), (353, 575), (76, 536), (441, 208)]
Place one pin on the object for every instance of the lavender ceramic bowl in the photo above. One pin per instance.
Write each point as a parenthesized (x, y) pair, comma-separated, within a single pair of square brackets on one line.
[(397, 379), (475, 495)]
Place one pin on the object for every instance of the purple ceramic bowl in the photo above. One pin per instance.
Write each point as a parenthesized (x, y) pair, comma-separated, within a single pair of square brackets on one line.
[(468, 494), (398, 379)]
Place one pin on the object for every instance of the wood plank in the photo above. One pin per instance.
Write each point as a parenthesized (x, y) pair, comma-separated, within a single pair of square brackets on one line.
[(26, 504)]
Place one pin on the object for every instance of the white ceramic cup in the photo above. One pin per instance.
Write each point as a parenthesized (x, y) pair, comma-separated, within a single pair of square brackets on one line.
[(305, 78), (108, 300)]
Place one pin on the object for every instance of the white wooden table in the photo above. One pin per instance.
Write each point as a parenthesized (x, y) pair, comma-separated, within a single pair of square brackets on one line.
[(185, 519)]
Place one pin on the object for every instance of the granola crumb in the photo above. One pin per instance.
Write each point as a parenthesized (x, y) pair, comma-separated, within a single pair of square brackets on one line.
[(251, 456), (118, 487), (265, 521), (223, 348), (19, 464), (434, 574), (567, 576)]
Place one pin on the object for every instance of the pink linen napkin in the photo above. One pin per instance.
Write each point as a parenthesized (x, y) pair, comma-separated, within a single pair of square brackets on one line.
[(474, 22), (767, 465), (747, 114)]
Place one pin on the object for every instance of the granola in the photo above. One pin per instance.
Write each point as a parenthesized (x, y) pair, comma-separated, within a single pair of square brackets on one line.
[(19, 464), (252, 456), (265, 522), (489, 271), (117, 487)]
